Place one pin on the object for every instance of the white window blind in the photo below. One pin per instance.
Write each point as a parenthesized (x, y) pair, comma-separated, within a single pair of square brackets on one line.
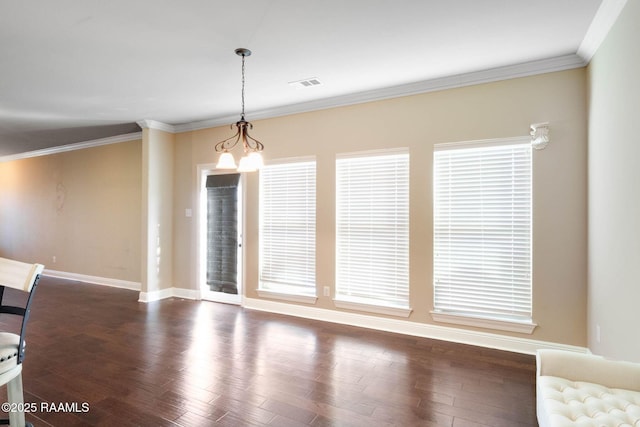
[(288, 228), (482, 231), (372, 229)]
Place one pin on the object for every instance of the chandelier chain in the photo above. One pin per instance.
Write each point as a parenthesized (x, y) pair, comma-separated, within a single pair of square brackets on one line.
[(242, 87)]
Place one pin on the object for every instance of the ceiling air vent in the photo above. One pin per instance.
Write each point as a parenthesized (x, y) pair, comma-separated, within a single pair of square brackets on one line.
[(310, 82)]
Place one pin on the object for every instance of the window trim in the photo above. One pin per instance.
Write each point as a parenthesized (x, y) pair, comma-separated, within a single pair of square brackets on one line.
[(486, 323), (274, 293), (525, 326), (363, 304), (349, 304), (305, 299)]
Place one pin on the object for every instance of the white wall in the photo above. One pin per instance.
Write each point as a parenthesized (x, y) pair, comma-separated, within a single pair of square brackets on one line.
[(614, 191)]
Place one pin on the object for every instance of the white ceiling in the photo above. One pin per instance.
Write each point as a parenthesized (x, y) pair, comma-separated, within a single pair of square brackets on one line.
[(77, 70)]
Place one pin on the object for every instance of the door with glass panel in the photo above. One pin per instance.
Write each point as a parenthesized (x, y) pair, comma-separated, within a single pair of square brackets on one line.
[(221, 261)]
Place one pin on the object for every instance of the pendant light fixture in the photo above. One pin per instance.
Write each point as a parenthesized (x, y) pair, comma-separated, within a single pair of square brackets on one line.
[(252, 159)]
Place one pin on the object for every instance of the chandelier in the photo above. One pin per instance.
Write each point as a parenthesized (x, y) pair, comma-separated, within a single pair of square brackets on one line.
[(252, 159)]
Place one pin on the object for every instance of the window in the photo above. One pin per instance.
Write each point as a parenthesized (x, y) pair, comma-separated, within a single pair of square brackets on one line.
[(288, 228), (482, 231), (372, 231)]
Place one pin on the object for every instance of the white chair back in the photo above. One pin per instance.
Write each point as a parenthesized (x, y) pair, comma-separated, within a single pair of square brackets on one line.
[(18, 275)]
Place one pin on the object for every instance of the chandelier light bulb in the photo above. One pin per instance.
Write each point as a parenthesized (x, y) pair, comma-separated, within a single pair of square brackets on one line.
[(226, 161)]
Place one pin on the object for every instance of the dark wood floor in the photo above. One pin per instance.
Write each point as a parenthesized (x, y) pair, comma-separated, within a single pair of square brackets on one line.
[(188, 363)]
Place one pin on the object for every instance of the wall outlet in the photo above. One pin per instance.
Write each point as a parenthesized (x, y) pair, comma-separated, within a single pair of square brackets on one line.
[(327, 291), (597, 333), (53, 259)]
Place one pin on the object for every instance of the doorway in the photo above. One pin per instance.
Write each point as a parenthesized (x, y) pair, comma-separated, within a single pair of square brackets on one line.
[(221, 228)]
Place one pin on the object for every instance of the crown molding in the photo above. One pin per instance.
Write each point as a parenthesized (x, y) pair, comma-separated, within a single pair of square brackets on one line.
[(74, 146), (154, 124), (525, 69), (604, 19)]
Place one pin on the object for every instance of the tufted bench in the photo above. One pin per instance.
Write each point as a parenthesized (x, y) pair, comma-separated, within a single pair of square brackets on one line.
[(576, 389)]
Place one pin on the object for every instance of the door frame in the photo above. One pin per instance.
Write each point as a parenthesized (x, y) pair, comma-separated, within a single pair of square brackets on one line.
[(205, 170)]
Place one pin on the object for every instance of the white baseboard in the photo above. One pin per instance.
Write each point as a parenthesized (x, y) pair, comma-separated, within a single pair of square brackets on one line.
[(124, 284), (463, 336), (114, 283), (155, 295), (186, 293), (169, 293)]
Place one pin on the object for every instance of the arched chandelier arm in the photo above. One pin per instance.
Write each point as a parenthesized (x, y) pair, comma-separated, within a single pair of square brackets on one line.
[(250, 143), (224, 146)]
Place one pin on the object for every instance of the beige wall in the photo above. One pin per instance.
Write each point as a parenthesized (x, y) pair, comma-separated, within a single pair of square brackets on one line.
[(495, 110), (83, 207), (124, 199), (614, 190)]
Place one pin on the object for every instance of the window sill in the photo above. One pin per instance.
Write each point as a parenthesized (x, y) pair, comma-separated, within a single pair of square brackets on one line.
[(479, 322), (305, 299), (371, 308)]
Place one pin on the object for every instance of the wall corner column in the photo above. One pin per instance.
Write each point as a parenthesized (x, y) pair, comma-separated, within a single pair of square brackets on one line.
[(157, 210)]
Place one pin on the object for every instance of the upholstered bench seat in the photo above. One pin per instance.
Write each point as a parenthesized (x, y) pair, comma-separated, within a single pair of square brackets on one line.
[(586, 391), (579, 403)]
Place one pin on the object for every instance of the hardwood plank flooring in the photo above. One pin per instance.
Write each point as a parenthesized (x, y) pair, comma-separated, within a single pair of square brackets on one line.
[(190, 363)]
